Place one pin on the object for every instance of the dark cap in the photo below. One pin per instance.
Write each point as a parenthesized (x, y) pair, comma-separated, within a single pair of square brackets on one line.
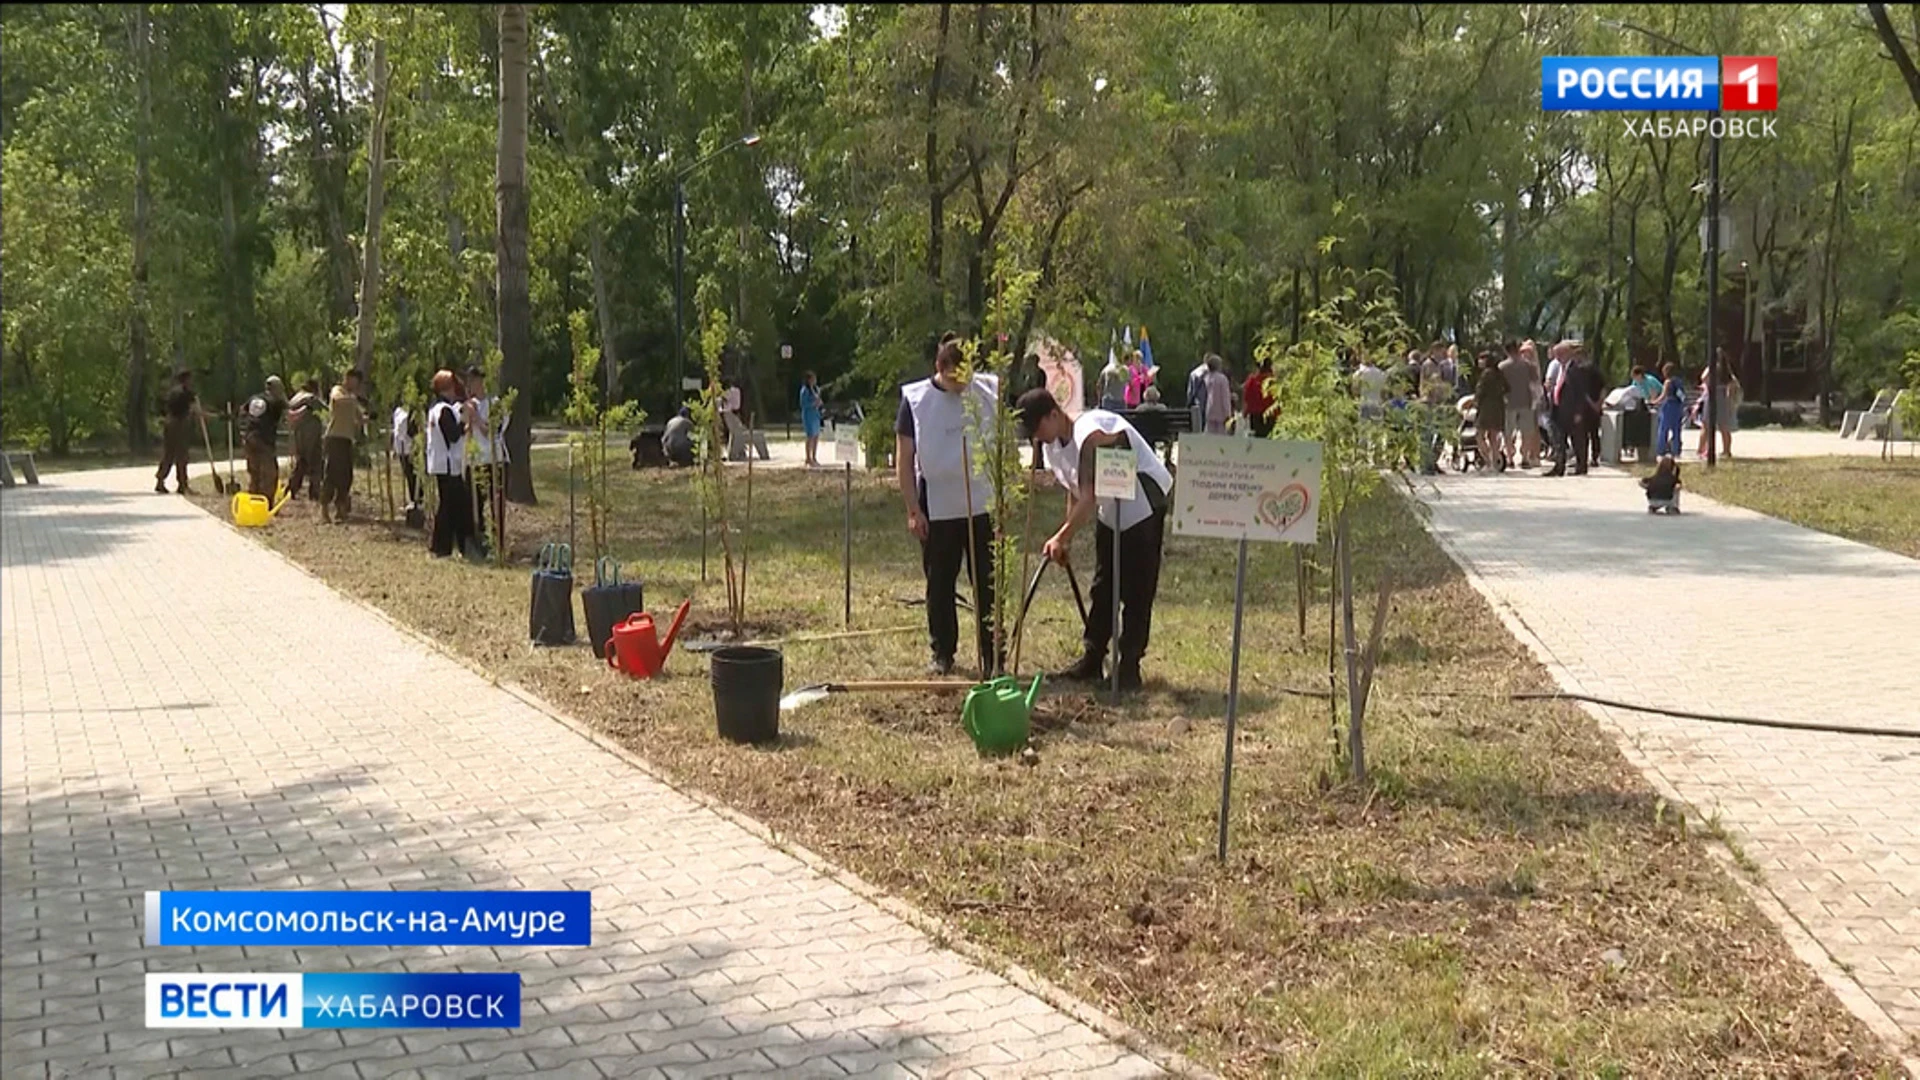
[(1034, 406), (476, 371)]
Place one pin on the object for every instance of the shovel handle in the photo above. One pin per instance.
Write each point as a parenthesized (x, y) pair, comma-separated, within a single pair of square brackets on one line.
[(1073, 579), (950, 685), (1033, 590)]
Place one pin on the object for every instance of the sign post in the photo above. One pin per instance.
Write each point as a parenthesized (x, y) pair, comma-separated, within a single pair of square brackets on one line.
[(1245, 489), (1114, 477)]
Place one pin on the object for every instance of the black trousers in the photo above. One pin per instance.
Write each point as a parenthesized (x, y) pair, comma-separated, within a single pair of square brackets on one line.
[(412, 478), (1139, 584), (336, 483), (308, 468), (489, 493), (1574, 431), (942, 554), (453, 518), (173, 453)]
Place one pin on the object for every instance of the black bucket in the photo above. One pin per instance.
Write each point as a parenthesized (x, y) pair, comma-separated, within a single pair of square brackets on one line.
[(608, 603), (550, 599), (747, 680)]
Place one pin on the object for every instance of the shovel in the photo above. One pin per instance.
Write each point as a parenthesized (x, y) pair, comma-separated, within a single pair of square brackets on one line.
[(219, 486), (1020, 621), (807, 695)]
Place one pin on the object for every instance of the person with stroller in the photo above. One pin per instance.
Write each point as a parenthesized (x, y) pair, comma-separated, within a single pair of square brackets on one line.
[(1490, 415)]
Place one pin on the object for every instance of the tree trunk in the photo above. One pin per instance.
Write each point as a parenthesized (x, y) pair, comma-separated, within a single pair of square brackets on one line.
[(136, 417), (1896, 48), (376, 196), (1668, 268), (603, 306), (1509, 260), (1046, 274), (936, 186), (1829, 305), (1356, 704), (515, 327), (1296, 303), (229, 261)]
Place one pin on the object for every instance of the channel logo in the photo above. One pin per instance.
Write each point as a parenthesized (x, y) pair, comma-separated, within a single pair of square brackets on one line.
[(333, 1000), (1660, 83)]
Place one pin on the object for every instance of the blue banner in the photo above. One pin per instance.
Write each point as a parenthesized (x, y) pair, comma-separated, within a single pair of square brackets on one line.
[(539, 919), (330, 1000), (1629, 83)]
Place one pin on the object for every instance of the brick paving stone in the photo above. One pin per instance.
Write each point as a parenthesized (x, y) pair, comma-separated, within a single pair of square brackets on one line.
[(1726, 611), (147, 741)]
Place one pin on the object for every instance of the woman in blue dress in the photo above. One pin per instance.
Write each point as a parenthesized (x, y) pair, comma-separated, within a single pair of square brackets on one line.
[(1670, 408), (810, 415)]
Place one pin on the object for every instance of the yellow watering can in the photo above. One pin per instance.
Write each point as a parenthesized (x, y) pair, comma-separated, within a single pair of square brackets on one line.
[(252, 511)]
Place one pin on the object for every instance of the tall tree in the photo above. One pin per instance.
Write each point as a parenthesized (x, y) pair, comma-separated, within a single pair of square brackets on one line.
[(1896, 48), (140, 38), (510, 249), (376, 192)]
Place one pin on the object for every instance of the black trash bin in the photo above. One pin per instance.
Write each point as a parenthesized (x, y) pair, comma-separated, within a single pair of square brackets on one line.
[(550, 606), (607, 603), (747, 680)]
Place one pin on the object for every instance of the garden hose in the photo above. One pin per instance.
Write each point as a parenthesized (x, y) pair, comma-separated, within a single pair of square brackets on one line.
[(1680, 714)]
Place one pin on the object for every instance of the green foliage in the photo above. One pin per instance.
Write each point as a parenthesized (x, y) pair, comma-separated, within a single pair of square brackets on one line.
[(1910, 404), (991, 353), (590, 424), (717, 335), (1177, 163), (1317, 404)]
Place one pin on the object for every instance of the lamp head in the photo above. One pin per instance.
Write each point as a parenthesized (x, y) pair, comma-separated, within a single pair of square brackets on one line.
[(751, 138)]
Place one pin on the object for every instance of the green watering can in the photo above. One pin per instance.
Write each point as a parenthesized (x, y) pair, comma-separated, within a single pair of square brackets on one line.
[(996, 714)]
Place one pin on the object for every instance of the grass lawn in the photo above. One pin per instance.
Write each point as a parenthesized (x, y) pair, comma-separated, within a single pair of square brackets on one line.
[(1874, 502), (1507, 895)]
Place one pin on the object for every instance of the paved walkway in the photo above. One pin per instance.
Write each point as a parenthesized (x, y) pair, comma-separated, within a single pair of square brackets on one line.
[(1725, 611), (134, 760)]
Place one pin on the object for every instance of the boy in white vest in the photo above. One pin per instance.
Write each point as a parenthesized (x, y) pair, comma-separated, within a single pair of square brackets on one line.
[(937, 416), (1070, 447), (489, 452), (448, 424)]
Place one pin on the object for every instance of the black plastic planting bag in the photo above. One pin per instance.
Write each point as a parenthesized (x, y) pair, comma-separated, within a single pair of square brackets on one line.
[(607, 603), (550, 609)]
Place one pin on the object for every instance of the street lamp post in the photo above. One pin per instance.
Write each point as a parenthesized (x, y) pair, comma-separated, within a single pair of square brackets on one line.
[(680, 258), (1713, 283)]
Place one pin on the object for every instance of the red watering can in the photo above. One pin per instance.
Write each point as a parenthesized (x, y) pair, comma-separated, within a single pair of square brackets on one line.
[(637, 650)]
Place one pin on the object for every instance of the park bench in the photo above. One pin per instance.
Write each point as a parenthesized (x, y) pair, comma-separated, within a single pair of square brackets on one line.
[(1854, 422), (1161, 427), (1883, 423), (25, 460)]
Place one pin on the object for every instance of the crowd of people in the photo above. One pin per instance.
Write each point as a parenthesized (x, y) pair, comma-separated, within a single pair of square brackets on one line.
[(465, 452)]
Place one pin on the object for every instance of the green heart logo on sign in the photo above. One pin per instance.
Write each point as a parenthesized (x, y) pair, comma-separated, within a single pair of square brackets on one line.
[(1062, 388), (1279, 510)]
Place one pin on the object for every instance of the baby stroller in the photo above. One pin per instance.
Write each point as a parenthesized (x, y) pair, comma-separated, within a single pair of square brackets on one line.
[(1466, 439), (1466, 447)]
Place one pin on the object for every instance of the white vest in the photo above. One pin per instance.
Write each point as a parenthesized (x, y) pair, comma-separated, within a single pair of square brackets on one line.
[(485, 451), (1065, 463), (444, 459), (940, 422), (402, 442)]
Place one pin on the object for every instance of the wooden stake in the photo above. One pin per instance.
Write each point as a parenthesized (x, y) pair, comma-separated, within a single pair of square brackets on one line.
[(746, 530), (966, 469)]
